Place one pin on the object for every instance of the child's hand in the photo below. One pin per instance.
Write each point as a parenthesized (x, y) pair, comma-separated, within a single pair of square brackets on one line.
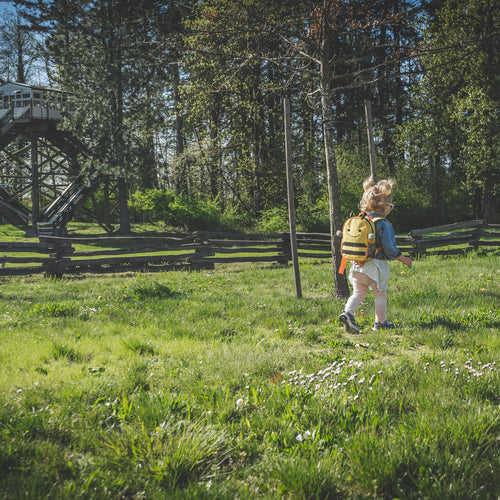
[(405, 260)]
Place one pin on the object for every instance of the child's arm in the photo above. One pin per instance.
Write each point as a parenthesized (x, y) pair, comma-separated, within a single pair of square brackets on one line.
[(405, 260), (388, 243)]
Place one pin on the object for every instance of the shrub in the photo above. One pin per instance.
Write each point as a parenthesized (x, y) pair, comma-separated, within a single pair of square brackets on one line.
[(150, 205), (192, 214), (272, 221), (314, 218), (185, 212)]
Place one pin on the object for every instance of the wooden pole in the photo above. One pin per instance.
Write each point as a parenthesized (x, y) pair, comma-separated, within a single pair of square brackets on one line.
[(371, 142), (35, 195), (291, 203)]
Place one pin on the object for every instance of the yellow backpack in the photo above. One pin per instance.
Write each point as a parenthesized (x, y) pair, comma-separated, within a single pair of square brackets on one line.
[(358, 240)]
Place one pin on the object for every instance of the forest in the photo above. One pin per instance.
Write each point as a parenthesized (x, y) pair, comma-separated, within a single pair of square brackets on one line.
[(182, 104)]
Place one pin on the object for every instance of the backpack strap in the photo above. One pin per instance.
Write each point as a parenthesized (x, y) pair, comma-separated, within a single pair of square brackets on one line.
[(375, 219), (342, 265)]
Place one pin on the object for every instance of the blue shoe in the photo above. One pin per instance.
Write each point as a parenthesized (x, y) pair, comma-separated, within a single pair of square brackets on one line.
[(347, 320), (385, 325)]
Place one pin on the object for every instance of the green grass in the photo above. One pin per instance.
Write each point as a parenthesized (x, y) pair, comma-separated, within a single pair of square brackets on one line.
[(221, 384)]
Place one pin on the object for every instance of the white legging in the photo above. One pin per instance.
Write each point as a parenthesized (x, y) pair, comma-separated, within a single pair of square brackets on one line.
[(360, 283)]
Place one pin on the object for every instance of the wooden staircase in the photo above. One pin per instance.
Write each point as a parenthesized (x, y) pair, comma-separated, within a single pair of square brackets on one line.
[(59, 212), (62, 209), (12, 211)]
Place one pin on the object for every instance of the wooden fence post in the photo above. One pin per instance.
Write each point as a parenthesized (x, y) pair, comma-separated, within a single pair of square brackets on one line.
[(291, 202)]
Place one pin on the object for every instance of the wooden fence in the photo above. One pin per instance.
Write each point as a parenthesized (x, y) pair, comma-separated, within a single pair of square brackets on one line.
[(473, 234), (58, 256)]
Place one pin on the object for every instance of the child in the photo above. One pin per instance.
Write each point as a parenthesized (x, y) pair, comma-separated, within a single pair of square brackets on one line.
[(374, 274)]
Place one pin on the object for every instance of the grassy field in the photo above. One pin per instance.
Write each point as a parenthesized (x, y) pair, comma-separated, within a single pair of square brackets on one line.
[(221, 385)]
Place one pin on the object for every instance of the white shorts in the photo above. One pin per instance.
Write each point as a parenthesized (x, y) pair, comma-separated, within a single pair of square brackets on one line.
[(376, 269)]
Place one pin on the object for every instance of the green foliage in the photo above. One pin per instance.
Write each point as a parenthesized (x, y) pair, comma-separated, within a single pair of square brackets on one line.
[(314, 219), (150, 205), (449, 138), (184, 212), (210, 128), (273, 221), (192, 214)]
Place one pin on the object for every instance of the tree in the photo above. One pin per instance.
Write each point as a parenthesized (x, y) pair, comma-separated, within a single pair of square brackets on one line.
[(19, 49), (338, 39), (330, 46), (231, 93), (463, 62), (111, 54)]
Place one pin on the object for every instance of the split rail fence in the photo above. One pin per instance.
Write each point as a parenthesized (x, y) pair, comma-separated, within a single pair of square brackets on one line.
[(56, 256)]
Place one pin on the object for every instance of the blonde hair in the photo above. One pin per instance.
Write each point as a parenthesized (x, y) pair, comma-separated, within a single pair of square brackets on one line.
[(376, 195)]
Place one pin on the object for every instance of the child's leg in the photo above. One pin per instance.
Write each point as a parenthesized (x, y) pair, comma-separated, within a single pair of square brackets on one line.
[(360, 284), (380, 305)]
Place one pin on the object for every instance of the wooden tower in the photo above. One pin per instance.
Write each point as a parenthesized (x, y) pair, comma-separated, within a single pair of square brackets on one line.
[(42, 183)]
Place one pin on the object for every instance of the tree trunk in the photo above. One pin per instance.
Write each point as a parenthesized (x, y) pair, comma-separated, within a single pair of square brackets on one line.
[(181, 183), (489, 201), (106, 203), (116, 65), (340, 280), (122, 200), (214, 161)]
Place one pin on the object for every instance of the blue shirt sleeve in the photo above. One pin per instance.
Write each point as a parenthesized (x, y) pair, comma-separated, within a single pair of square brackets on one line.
[(387, 240)]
